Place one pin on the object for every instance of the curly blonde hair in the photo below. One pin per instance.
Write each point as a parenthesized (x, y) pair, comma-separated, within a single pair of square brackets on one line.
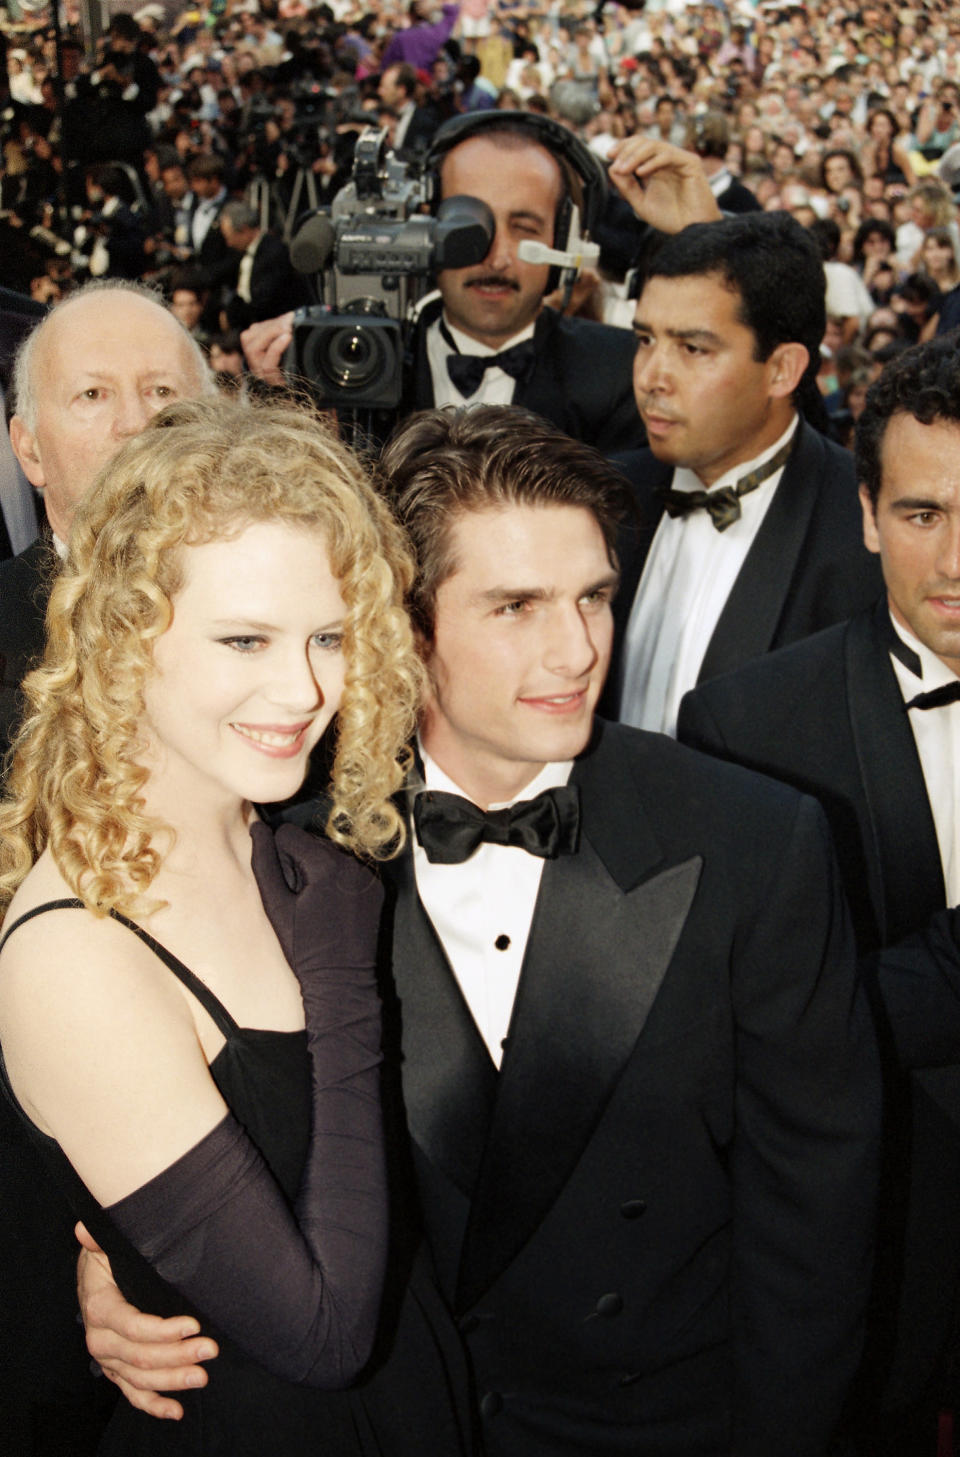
[(202, 470)]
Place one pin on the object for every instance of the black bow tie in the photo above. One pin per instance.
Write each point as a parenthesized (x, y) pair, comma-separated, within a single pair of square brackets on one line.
[(937, 697), (724, 505), (466, 371), (450, 828)]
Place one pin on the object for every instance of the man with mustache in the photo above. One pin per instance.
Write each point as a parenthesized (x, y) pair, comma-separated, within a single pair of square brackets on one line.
[(572, 371), (753, 535)]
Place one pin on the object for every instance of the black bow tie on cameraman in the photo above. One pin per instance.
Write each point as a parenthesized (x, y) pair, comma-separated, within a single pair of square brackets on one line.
[(466, 371), (450, 828), (724, 505)]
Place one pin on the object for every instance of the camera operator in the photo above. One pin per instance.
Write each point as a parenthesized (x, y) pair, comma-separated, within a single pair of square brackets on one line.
[(488, 338)]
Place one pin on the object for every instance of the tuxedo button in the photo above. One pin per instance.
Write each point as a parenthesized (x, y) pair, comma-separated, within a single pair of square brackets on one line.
[(633, 1208), (610, 1304), (491, 1404), (469, 1324)]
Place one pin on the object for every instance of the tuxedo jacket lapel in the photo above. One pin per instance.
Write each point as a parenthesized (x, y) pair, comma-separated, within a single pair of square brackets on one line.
[(906, 872), (747, 625), (449, 1080), (606, 925), (543, 392)]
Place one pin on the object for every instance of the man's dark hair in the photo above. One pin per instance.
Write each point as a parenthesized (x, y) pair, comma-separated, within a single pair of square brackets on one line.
[(125, 27), (924, 382), (206, 165), (774, 266), (440, 464), (405, 77)]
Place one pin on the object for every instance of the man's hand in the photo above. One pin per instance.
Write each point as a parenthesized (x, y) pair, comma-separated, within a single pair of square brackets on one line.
[(666, 186), (264, 346), (141, 1354)]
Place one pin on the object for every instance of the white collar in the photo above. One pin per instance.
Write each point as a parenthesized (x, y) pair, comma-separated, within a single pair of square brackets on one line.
[(684, 479), (467, 345)]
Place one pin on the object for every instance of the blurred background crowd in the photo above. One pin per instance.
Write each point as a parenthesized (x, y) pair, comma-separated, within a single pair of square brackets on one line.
[(168, 146)]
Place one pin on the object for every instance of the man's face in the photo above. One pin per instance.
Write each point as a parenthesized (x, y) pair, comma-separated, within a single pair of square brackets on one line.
[(174, 181), (186, 306), (916, 530), (707, 403), (521, 646), (494, 300), (103, 366), (389, 92), (205, 187)]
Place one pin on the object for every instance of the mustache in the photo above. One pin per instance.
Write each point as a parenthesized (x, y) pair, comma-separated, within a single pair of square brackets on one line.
[(494, 280)]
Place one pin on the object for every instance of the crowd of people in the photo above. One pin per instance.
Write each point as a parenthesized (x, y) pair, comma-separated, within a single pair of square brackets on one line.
[(119, 159), (611, 1104)]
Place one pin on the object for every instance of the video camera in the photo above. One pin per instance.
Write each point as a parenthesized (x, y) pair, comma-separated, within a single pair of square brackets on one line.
[(372, 258)]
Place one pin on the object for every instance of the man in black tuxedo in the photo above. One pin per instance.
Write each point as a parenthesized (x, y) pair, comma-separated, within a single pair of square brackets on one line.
[(761, 541), (267, 284), (416, 125), (639, 1081), (865, 716), (572, 371)]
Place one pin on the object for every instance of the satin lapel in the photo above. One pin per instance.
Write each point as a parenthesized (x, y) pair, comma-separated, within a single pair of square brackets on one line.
[(906, 873), (449, 1081), (599, 947), (543, 392), (748, 622)]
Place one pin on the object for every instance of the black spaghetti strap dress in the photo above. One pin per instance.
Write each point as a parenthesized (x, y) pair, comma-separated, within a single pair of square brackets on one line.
[(244, 1411)]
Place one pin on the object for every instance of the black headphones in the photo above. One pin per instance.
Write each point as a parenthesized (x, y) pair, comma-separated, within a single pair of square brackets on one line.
[(579, 166)]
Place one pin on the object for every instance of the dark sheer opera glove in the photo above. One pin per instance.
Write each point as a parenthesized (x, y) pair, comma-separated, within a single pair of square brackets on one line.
[(299, 1291)]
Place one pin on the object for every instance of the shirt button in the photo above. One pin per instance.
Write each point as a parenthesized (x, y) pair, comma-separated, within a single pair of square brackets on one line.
[(491, 1404), (633, 1208), (610, 1304), (502, 942)]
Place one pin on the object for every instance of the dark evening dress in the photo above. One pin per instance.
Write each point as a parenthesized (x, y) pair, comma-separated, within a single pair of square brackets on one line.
[(264, 1077)]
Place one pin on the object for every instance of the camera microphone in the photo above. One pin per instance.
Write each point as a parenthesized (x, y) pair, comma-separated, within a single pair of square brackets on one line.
[(312, 248), (533, 252)]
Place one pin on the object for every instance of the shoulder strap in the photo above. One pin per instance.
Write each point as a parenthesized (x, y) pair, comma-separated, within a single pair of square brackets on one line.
[(211, 1004)]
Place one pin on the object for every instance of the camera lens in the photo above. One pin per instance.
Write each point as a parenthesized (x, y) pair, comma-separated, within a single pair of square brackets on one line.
[(349, 359)]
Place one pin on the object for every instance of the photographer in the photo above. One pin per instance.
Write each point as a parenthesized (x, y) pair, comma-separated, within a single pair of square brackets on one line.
[(107, 119)]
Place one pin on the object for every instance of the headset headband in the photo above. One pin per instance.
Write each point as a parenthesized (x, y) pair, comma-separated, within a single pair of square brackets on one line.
[(554, 138)]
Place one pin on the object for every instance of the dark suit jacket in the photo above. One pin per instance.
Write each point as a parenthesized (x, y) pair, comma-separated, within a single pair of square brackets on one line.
[(24, 589), (652, 1225), (827, 716), (582, 379), (807, 567), (275, 285)]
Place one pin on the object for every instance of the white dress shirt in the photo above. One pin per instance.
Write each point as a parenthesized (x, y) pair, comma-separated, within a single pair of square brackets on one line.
[(482, 910), (496, 387), (203, 216), (936, 732), (686, 581)]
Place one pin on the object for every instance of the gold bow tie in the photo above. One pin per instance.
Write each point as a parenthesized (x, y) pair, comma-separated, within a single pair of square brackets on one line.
[(724, 505)]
